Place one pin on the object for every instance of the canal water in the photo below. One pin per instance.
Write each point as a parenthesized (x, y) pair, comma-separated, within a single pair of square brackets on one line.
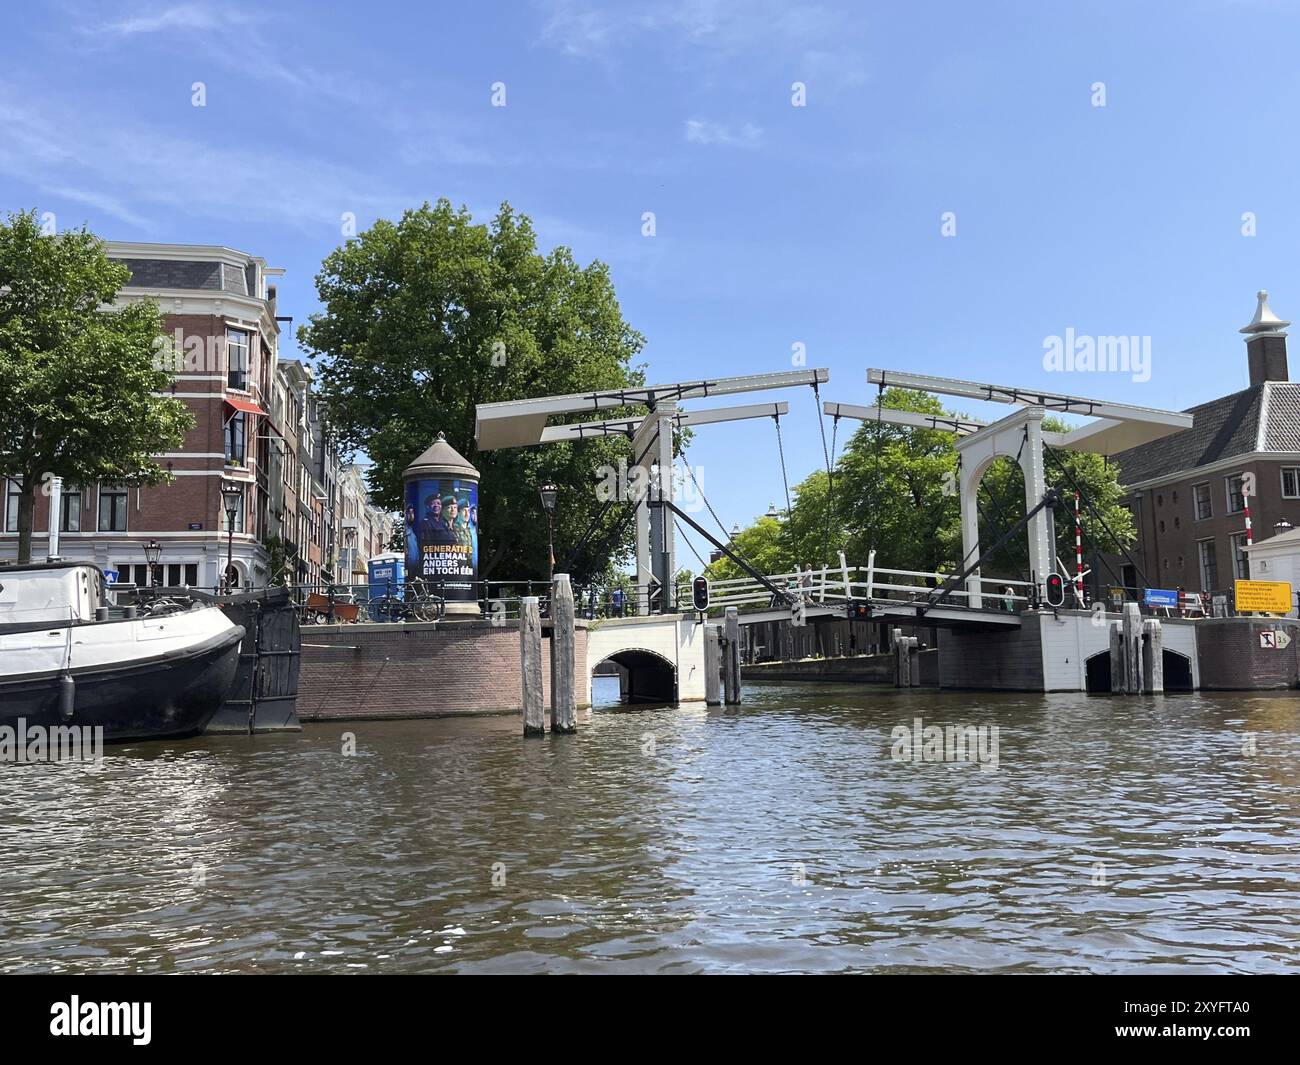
[(790, 835)]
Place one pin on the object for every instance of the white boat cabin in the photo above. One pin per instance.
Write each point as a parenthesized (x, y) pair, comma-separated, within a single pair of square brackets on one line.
[(50, 592)]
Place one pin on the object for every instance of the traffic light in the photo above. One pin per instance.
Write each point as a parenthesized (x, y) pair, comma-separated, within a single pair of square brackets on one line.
[(1055, 590), (700, 593), (858, 611)]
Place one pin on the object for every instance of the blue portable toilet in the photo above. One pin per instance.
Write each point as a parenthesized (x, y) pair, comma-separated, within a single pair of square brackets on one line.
[(386, 571)]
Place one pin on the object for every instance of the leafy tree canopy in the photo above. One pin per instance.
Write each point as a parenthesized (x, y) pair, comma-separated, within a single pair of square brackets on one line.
[(431, 315), (80, 379)]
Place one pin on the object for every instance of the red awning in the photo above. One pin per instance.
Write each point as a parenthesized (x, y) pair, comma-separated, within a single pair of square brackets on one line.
[(247, 406)]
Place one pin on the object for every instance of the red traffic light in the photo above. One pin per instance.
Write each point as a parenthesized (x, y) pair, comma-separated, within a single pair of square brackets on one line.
[(700, 593), (1055, 589)]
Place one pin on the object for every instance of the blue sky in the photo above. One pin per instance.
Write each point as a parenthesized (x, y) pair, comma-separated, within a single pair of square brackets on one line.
[(775, 224)]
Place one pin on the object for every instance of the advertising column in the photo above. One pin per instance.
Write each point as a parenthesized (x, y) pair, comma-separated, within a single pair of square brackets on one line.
[(441, 518)]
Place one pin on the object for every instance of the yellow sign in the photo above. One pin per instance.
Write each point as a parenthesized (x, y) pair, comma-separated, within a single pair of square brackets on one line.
[(1264, 597)]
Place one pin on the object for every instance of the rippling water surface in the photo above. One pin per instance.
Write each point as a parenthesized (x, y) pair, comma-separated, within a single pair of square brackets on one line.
[(1115, 835)]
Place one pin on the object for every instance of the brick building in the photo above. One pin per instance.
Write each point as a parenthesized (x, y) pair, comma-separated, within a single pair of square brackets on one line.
[(258, 425), (1187, 491)]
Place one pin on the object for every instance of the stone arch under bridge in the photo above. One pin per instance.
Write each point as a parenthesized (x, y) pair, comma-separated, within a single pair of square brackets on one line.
[(657, 654), (644, 676)]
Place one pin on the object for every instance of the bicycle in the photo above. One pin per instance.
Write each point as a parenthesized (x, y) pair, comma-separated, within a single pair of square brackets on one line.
[(417, 601)]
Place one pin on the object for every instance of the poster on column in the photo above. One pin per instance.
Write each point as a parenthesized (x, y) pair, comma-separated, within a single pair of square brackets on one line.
[(442, 535)]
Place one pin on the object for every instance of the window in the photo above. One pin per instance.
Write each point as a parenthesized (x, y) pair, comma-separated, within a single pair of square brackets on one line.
[(1236, 501), (1240, 562), (1209, 565), (1162, 525), (1160, 500), (1202, 506), (237, 358), (112, 508), (181, 574), (1291, 482), (13, 489), (70, 510), (235, 438)]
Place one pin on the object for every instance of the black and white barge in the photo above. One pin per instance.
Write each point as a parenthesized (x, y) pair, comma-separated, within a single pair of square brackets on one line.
[(158, 670)]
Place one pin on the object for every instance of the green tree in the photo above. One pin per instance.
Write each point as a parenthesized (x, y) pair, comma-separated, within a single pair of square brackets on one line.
[(80, 384), (1002, 494), (761, 545), (427, 317), (895, 489)]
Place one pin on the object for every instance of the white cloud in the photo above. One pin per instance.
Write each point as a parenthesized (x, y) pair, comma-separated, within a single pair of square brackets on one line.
[(805, 41), (175, 17), (66, 151), (702, 131), (256, 56), (107, 204)]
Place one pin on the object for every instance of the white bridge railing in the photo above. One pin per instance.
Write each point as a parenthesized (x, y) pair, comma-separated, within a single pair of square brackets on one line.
[(834, 586)]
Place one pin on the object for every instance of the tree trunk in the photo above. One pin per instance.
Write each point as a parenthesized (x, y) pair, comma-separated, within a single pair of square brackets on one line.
[(26, 510)]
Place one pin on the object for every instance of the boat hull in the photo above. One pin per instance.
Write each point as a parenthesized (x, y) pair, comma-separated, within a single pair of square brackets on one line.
[(173, 693)]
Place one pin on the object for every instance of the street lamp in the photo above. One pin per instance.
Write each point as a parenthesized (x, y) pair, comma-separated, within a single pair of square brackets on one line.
[(549, 492), (232, 493), (152, 553)]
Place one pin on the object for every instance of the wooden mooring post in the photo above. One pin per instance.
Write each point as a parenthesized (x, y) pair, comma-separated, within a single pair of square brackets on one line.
[(712, 666), (1132, 649), (1153, 658), (731, 656), (564, 703), (530, 665)]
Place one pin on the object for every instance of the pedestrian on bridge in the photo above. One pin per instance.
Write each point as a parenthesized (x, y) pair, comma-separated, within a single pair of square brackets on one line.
[(805, 582)]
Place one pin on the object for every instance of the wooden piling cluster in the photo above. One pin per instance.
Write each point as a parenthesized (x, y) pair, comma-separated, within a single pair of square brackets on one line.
[(1136, 654), (722, 660), (564, 701), (907, 660)]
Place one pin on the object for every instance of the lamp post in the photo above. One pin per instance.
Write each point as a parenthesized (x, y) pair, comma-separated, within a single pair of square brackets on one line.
[(152, 553), (548, 493), (232, 493)]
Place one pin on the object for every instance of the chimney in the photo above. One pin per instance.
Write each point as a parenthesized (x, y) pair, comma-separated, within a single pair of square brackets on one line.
[(1266, 344)]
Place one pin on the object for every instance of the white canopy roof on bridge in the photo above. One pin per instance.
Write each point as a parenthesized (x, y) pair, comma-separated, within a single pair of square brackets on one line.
[(1119, 426), (523, 422)]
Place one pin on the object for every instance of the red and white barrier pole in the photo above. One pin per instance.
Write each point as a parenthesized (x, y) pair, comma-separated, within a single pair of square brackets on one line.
[(1245, 503)]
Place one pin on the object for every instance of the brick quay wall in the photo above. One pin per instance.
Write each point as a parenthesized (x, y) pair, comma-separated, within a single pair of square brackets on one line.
[(415, 670)]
